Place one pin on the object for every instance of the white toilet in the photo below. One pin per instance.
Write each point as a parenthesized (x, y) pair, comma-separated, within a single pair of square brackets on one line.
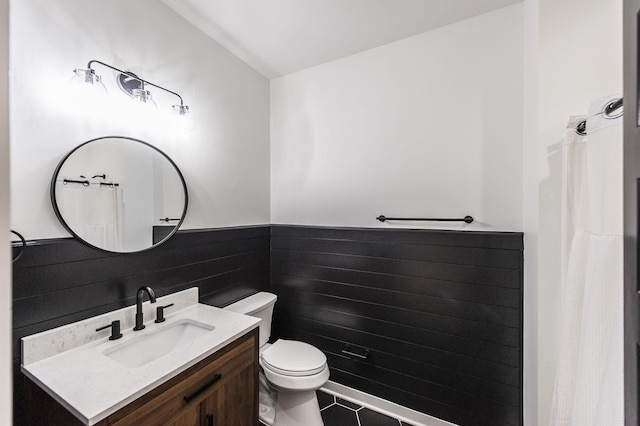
[(294, 370)]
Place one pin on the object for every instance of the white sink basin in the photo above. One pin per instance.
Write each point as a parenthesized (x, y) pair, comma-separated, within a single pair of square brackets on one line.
[(148, 347)]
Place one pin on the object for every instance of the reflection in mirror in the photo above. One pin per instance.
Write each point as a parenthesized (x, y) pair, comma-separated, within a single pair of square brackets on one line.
[(119, 194)]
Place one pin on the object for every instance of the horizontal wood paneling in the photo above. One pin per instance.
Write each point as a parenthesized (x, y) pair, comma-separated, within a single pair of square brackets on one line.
[(60, 281), (433, 333), (439, 377), (489, 240), (481, 275), (439, 311), (444, 298)]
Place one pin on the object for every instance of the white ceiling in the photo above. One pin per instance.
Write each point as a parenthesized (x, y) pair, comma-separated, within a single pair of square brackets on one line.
[(278, 37)]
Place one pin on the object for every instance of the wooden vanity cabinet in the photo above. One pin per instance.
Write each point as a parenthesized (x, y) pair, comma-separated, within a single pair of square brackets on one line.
[(221, 390)]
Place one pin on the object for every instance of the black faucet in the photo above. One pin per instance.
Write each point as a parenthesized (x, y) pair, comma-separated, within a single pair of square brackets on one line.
[(139, 297)]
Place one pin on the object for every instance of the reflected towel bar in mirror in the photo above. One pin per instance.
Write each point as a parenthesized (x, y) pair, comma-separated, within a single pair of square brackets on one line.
[(87, 183)]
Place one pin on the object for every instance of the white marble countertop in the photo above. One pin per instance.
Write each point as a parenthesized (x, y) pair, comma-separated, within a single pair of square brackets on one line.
[(70, 364)]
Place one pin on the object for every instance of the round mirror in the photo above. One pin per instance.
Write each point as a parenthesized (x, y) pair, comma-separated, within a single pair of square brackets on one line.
[(119, 194)]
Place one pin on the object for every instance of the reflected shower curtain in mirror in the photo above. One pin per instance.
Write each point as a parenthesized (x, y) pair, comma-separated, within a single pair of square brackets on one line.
[(589, 380), (94, 212)]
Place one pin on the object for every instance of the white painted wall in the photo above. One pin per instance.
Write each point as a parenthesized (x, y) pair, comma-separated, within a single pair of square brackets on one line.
[(6, 371), (426, 126), (225, 159), (579, 60), (530, 203)]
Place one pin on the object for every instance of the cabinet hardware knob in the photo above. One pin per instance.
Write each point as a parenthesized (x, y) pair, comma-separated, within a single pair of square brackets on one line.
[(203, 388)]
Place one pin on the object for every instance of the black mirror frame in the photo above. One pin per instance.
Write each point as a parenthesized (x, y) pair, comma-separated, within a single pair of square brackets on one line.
[(52, 191)]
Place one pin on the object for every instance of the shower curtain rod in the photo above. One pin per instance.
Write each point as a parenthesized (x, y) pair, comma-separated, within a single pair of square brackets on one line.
[(612, 110)]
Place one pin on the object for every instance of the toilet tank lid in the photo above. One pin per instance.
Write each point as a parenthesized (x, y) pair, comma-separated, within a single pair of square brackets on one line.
[(253, 303)]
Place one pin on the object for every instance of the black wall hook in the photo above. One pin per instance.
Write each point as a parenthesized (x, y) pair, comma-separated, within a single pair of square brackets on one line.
[(22, 245)]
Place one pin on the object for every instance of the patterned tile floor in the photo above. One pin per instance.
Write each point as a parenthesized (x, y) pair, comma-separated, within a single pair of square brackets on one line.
[(336, 411), (339, 412)]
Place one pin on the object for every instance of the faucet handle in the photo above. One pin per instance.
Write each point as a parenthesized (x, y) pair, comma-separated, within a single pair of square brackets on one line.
[(115, 330), (160, 313)]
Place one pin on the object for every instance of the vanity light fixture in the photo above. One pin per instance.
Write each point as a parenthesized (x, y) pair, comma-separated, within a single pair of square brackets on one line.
[(129, 83)]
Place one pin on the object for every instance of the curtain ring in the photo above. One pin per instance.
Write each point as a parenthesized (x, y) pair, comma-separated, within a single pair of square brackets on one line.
[(614, 109)]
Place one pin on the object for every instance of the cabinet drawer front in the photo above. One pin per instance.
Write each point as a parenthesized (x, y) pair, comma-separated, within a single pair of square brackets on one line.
[(185, 392)]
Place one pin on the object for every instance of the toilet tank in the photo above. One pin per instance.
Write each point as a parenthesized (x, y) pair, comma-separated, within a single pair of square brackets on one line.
[(259, 305)]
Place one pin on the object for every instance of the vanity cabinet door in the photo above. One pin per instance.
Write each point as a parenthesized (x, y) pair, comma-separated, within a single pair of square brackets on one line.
[(233, 404), (219, 386), (189, 418), (209, 411)]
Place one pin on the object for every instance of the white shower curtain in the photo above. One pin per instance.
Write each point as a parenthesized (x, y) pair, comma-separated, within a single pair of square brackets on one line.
[(589, 380), (94, 213)]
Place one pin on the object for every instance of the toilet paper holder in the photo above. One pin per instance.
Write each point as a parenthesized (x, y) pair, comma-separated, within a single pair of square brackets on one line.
[(349, 352)]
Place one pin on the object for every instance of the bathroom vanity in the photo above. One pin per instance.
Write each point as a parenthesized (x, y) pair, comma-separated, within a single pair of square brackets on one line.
[(206, 375)]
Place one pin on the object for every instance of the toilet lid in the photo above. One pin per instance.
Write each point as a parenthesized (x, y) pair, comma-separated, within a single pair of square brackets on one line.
[(293, 358)]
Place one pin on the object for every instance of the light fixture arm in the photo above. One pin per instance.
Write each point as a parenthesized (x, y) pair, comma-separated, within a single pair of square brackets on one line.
[(135, 77)]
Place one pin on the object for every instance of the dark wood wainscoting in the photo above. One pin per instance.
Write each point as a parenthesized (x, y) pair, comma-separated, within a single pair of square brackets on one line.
[(57, 282), (439, 312)]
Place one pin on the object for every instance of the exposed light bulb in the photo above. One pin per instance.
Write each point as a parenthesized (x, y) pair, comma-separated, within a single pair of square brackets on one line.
[(182, 117), (87, 84), (141, 110), (88, 76), (143, 96)]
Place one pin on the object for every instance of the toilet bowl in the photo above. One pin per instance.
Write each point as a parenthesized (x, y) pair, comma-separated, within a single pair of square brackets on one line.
[(293, 370)]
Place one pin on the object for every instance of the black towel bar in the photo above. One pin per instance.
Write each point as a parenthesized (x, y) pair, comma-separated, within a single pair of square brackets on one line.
[(466, 219)]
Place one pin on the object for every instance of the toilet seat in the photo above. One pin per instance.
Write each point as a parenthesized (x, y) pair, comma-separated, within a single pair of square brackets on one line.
[(293, 358)]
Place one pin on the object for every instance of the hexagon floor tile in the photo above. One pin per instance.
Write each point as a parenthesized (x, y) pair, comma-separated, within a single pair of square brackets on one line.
[(336, 411)]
